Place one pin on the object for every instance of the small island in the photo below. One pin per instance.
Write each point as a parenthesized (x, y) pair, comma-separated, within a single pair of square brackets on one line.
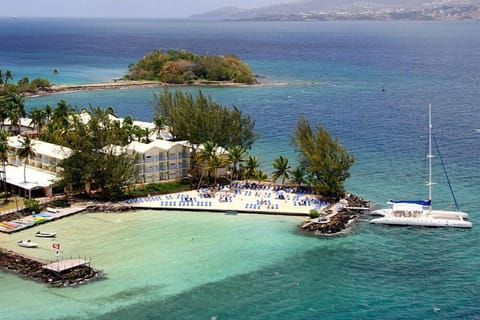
[(183, 67)]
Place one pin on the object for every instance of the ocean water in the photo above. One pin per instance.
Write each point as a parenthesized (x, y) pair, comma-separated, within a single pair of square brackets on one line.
[(258, 267)]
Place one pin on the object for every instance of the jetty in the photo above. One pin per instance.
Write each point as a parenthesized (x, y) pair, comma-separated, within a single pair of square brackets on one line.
[(62, 273)]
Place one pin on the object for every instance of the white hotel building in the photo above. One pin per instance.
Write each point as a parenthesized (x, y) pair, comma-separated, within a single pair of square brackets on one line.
[(159, 160)]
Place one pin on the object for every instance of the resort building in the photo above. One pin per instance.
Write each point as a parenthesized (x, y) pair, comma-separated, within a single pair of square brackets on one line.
[(41, 170), (159, 160)]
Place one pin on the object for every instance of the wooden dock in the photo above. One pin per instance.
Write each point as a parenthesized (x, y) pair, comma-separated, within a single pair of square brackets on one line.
[(64, 265), (30, 221)]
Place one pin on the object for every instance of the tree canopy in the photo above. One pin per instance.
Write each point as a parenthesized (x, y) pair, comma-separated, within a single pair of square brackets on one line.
[(199, 119), (181, 66), (325, 161), (23, 86)]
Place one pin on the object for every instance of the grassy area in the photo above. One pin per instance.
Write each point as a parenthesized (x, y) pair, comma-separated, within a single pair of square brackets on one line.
[(11, 204), (161, 188)]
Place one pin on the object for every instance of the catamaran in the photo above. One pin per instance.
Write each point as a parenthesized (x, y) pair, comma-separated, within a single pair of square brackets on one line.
[(420, 212)]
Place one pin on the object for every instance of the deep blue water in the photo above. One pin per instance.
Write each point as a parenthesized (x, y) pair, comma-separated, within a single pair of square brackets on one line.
[(332, 73)]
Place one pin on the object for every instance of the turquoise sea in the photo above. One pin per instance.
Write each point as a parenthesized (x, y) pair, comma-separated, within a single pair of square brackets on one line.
[(181, 265)]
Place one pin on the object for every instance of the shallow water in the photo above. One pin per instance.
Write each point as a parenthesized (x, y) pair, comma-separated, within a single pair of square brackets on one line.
[(148, 255)]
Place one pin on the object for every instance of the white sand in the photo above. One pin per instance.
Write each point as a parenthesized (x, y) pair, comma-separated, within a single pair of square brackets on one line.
[(265, 201)]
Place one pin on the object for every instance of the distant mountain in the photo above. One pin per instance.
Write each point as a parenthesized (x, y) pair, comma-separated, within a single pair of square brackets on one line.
[(353, 9)]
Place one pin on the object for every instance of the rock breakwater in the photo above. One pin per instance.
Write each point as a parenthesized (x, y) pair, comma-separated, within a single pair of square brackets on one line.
[(34, 270)]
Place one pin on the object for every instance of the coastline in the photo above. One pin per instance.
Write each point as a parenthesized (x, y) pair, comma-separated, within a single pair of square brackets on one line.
[(122, 84), (237, 198)]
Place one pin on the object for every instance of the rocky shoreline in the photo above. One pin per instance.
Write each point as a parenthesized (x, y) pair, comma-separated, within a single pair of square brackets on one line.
[(33, 269), (338, 223)]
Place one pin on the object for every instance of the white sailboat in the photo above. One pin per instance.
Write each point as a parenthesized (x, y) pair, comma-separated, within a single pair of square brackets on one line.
[(420, 212)]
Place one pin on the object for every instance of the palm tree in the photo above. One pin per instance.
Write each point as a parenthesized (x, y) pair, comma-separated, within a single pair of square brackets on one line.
[(4, 160), (37, 118), (8, 76), (298, 176), (26, 152), (236, 155), (259, 175), (159, 122), (4, 109), (17, 110), (56, 73), (282, 169), (251, 164), (127, 130), (216, 162), (204, 156), (48, 112), (146, 135), (61, 113)]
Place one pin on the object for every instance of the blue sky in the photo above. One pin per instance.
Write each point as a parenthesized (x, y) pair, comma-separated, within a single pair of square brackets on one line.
[(121, 8)]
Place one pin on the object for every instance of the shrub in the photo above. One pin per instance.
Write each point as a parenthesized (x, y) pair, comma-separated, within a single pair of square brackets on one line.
[(32, 205), (314, 214)]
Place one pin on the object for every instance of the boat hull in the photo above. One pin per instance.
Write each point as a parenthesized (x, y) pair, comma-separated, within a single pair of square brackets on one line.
[(423, 222), (27, 244), (438, 213), (45, 234)]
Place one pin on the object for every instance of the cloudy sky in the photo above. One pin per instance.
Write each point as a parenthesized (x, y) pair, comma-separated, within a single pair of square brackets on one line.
[(121, 8)]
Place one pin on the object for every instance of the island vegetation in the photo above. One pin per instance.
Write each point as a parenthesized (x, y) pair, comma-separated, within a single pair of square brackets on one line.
[(183, 67), (23, 86)]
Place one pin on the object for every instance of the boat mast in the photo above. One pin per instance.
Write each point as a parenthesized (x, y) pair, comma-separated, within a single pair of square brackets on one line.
[(429, 155)]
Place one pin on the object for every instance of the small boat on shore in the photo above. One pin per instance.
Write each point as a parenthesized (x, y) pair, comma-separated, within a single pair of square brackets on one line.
[(27, 244), (42, 234)]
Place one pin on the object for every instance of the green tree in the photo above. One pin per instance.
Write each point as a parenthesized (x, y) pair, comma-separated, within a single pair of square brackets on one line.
[(4, 160), (323, 158), (61, 113), (214, 163), (259, 175), (16, 111), (25, 152), (8, 76), (282, 169), (4, 109), (37, 117), (251, 164), (95, 163), (298, 176), (159, 123), (203, 157), (199, 119), (236, 156), (116, 173), (56, 74)]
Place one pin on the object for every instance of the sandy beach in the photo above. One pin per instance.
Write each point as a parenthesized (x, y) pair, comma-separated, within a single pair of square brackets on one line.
[(121, 84), (235, 198)]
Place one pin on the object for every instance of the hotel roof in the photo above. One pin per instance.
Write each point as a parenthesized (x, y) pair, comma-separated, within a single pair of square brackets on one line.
[(42, 148)]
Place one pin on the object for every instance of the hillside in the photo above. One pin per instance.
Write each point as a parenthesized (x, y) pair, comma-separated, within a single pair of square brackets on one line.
[(354, 10)]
